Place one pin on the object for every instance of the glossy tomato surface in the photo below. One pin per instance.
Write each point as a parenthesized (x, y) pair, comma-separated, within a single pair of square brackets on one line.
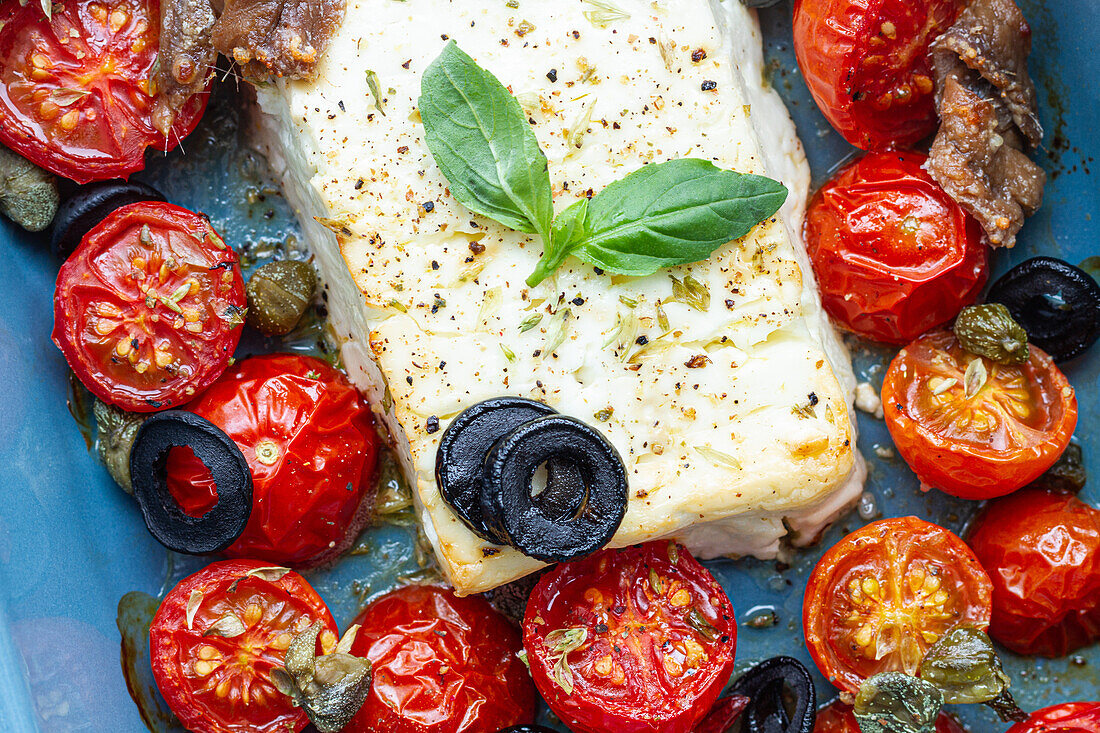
[(1069, 717), (442, 664), (74, 88), (893, 254), (149, 308), (634, 640), (311, 447), (1042, 552), (866, 64), (981, 440), (884, 594), (836, 717), (218, 682)]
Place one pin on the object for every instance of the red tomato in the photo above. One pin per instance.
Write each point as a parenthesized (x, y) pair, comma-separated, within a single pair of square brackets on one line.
[(1069, 717), (836, 717), (867, 66), (1011, 429), (74, 88), (894, 255), (149, 308), (884, 594), (219, 684), (311, 447), (442, 664), (637, 640), (1042, 552)]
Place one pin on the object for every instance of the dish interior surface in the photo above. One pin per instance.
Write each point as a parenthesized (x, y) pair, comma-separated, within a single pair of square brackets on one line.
[(72, 544)]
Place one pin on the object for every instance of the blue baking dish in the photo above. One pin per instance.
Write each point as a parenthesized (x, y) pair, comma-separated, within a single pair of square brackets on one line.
[(72, 545)]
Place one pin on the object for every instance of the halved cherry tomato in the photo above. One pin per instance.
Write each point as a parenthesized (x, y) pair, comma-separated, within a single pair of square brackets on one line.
[(311, 447), (442, 664), (1042, 552), (884, 594), (836, 717), (867, 66), (74, 88), (637, 640), (893, 254), (149, 308), (1069, 717), (216, 678), (979, 439)]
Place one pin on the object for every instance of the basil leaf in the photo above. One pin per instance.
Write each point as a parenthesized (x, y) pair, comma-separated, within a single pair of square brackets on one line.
[(480, 139), (660, 216)]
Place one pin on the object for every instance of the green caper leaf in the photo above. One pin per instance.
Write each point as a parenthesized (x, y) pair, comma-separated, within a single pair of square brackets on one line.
[(893, 702), (989, 330), (278, 295), (115, 433), (329, 688), (965, 667)]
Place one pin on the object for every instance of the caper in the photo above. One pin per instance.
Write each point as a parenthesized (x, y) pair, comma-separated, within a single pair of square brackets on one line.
[(28, 194), (278, 294), (893, 702), (989, 330), (964, 666), (1067, 474), (115, 431)]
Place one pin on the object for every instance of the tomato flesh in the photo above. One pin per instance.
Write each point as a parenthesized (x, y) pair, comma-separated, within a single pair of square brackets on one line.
[(836, 717), (981, 441), (884, 594), (1042, 552), (634, 640), (893, 254), (867, 65), (149, 308), (74, 88), (216, 683), (1069, 717)]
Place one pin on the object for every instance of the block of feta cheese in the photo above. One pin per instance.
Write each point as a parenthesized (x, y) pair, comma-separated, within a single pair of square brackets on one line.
[(721, 383)]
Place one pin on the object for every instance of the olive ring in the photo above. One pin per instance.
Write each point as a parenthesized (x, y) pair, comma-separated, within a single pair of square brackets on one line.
[(764, 685)]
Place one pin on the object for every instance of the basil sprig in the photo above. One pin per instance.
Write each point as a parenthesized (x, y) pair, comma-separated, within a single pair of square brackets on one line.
[(659, 216)]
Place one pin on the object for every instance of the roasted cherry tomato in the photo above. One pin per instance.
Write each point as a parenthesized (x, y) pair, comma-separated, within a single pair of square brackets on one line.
[(148, 309), (75, 87), (893, 254), (971, 427), (637, 640), (217, 636), (867, 65), (1042, 552), (310, 443), (836, 717), (442, 664), (884, 594), (1069, 717)]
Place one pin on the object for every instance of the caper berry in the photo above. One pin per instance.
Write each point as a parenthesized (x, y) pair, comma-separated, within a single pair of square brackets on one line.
[(989, 330), (115, 432), (965, 667), (278, 294), (893, 702)]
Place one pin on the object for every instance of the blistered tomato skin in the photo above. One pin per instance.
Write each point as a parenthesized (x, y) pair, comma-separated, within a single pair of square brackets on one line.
[(441, 664), (1069, 717), (311, 447), (636, 640), (836, 717), (981, 437), (893, 254), (1042, 552)]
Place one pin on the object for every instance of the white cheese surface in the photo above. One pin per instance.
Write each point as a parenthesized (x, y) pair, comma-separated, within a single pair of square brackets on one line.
[(731, 420)]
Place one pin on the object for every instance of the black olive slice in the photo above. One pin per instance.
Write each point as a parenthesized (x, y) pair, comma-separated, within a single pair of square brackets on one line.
[(462, 451), (782, 697), (221, 526), (1056, 303), (569, 518), (90, 205)]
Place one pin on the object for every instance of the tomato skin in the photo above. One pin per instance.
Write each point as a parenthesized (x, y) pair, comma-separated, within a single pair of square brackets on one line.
[(836, 717), (1042, 552), (311, 447), (633, 604), (903, 580), (189, 667), (874, 87), (946, 450), (111, 315), (894, 255), (62, 109), (1068, 717), (442, 664)]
